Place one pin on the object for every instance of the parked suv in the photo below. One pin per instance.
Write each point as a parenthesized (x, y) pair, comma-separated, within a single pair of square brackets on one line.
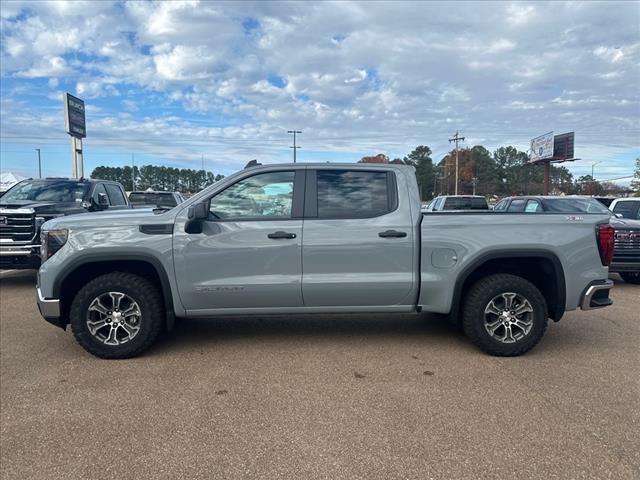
[(29, 203)]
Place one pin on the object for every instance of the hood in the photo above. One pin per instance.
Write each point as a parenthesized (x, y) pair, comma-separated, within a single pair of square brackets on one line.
[(624, 223), (44, 208), (108, 219)]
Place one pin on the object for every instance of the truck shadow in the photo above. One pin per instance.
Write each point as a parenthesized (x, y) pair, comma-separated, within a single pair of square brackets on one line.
[(18, 278), (191, 333)]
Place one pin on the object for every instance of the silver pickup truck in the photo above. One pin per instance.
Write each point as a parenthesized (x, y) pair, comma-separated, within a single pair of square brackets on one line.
[(318, 238)]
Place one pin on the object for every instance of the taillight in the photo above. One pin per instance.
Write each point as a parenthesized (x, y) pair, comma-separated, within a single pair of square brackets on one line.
[(605, 234)]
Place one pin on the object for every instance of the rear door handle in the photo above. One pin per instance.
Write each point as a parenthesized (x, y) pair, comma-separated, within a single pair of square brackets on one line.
[(392, 234), (281, 234)]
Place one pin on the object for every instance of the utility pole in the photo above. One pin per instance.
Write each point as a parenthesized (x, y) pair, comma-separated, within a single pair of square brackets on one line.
[(295, 147), (39, 164), (456, 139), (202, 158), (133, 172), (474, 182)]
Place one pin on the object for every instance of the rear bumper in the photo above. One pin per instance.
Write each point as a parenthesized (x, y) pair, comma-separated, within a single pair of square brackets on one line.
[(597, 295), (50, 310)]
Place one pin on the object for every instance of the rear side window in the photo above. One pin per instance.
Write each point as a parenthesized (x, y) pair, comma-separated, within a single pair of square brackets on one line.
[(517, 205), (353, 193), (465, 203), (116, 197), (533, 206), (628, 209)]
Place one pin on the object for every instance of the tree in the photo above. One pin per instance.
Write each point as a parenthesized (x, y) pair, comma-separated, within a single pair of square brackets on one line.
[(587, 185), (420, 159), (182, 180), (635, 183)]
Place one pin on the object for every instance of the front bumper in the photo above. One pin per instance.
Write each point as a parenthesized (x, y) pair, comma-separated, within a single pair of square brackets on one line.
[(19, 256), (596, 295), (50, 310)]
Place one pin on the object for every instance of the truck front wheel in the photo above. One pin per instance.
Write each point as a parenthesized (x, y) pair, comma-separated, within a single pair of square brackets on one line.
[(505, 315), (117, 315)]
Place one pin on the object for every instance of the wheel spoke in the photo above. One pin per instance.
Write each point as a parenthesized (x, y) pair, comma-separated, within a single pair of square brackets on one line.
[(508, 335), (112, 339), (116, 297), (97, 306), (132, 310), (523, 325), (492, 308), (523, 308), (493, 326), (130, 329), (96, 325), (508, 300)]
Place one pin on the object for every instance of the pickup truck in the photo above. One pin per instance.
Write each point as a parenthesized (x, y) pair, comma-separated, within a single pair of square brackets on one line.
[(29, 203), (319, 238)]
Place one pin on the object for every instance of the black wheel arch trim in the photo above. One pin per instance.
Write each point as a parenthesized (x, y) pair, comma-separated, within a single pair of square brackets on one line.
[(555, 311), (124, 257)]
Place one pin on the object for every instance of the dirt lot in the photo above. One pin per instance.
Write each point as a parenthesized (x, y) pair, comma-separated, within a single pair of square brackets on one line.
[(321, 397)]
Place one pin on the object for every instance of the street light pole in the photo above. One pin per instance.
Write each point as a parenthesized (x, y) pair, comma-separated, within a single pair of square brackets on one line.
[(39, 164), (593, 165)]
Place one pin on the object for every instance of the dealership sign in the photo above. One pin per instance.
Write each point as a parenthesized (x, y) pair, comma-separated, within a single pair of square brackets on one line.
[(74, 118), (542, 147)]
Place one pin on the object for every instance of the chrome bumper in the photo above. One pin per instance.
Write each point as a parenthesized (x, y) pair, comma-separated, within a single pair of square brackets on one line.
[(49, 307), (18, 250), (591, 300)]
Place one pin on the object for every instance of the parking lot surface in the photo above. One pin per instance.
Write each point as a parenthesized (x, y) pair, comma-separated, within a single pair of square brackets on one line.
[(321, 397)]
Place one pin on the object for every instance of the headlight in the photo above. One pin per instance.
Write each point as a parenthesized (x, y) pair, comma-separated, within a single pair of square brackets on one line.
[(52, 241)]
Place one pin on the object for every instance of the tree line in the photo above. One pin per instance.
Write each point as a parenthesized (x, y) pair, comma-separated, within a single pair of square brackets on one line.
[(503, 172), (183, 180)]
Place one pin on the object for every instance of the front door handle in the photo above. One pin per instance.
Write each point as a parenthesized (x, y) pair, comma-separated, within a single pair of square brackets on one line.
[(281, 234), (392, 234)]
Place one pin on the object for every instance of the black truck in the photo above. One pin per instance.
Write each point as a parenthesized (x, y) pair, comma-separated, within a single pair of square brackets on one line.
[(29, 203)]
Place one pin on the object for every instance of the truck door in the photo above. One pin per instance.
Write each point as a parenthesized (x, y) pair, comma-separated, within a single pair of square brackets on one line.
[(358, 247), (248, 254)]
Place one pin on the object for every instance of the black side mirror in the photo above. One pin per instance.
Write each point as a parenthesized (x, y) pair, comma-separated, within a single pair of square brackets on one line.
[(196, 214), (103, 201)]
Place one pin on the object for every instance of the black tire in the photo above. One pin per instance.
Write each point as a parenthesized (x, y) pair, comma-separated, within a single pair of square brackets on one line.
[(474, 318), (150, 322), (631, 277)]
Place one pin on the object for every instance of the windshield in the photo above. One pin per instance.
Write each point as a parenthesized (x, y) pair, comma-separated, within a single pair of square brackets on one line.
[(575, 205), (59, 191)]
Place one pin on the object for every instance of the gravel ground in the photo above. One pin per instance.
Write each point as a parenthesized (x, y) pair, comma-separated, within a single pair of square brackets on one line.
[(321, 397)]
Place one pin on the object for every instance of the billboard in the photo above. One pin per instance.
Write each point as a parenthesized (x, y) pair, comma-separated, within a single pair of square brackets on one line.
[(563, 146), (74, 118), (542, 147)]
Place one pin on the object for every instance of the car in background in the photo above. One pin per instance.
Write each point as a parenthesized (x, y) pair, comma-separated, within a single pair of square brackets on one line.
[(30, 203), (160, 199), (550, 204), (626, 208), (457, 202), (626, 251)]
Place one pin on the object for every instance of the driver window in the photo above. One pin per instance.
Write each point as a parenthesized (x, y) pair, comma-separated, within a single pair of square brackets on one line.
[(263, 196)]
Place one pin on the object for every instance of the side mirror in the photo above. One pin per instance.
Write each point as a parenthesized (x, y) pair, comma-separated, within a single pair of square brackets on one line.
[(199, 211), (196, 215), (618, 215), (103, 201)]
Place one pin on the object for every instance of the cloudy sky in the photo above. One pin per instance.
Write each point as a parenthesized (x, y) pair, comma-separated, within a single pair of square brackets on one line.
[(176, 82)]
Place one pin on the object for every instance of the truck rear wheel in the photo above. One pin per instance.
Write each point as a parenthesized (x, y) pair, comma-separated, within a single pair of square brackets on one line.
[(631, 277), (117, 315), (505, 315)]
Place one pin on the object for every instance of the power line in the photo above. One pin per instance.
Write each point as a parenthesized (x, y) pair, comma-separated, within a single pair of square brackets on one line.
[(295, 147), (456, 139)]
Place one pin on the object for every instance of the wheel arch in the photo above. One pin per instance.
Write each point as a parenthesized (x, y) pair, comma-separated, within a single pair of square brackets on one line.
[(81, 271), (540, 267)]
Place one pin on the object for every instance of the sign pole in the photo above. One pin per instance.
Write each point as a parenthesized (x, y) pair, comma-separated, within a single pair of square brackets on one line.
[(547, 171), (77, 162)]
